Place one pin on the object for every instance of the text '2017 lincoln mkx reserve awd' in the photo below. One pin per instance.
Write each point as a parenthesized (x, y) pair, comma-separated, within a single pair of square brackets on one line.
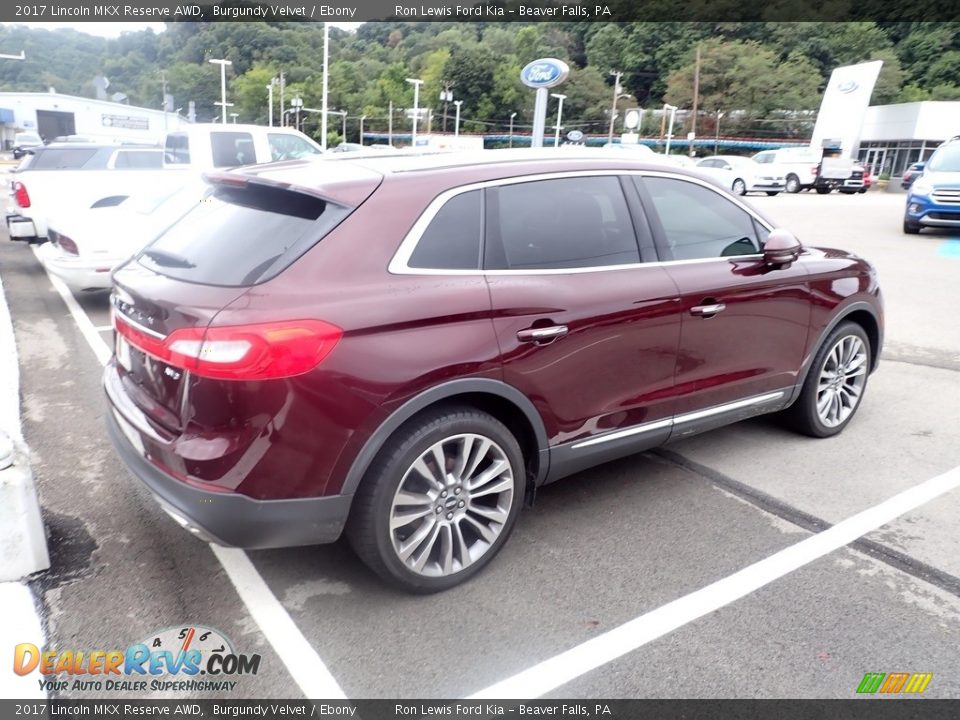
[(401, 348)]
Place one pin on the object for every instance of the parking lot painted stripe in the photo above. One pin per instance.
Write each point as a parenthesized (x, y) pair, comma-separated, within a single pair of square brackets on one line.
[(301, 660), (949, 248), (571, 664), (303, 663), (87, 329)]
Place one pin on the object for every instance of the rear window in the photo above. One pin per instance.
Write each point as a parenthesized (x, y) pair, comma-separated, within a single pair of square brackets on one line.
[(241, 236), (62, 158)]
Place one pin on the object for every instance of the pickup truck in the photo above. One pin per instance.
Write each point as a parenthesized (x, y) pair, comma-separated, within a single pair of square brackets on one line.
[(63, 176)]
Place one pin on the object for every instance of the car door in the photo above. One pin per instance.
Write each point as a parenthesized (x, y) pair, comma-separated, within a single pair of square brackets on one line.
[(586, 330), (744, 323)]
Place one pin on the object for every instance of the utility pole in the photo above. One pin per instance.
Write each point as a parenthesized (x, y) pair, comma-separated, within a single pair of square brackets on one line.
[(696, 97), (362, 118), (283, 115), (512, 116), (270, 103), (416, 82), (223, 87), (456, 131), (616, 96)]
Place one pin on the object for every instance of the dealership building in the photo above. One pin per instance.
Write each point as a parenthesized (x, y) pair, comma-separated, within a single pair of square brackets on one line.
[(52, 115), (893, 137)]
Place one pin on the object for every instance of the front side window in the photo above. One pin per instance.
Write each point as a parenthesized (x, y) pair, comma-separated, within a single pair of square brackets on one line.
[(577, 222), (452, 239), (698, 222), (289, 147)]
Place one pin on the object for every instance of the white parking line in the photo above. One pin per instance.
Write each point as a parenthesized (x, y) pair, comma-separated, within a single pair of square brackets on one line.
[(301, 660), (571, 664)]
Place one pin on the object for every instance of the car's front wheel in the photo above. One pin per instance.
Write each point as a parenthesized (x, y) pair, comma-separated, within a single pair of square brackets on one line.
[(910, 228), (793, 184), (835, 384), (440, 500)]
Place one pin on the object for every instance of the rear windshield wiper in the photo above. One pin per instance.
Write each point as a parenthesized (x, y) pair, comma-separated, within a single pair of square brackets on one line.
[(168, 259)]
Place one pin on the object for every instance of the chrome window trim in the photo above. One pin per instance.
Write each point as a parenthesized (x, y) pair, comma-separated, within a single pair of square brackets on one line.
[(679, 419), (399, 264)]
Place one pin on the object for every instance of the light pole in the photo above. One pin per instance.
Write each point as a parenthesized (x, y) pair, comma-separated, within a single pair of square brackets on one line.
[(673, 112), (416, 108), (223, 86), (270, 103), (362, 118), (512, 116), (556, 136), (456, 125), (323, 98), (716, 137)]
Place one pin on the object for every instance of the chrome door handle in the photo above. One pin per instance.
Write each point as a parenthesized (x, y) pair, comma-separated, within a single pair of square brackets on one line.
[(542, 335), (707, 310)]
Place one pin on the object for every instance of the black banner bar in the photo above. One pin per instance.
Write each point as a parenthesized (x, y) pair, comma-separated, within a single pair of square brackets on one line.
[(854, 709), (483, 11)]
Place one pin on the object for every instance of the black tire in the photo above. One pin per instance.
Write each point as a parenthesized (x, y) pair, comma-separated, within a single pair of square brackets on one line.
[(802, 416), (910, 228), (793, 184), (824, 190), (368, 526), (772, 193)]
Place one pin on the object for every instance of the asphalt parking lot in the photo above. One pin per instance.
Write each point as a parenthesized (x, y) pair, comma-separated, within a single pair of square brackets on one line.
[(599, 550)]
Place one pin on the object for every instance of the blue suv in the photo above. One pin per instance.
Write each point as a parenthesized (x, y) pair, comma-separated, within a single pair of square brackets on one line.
[(934, 197)]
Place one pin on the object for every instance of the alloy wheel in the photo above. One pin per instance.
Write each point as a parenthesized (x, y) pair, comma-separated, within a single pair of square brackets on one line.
[(841, 382), (451, 505)]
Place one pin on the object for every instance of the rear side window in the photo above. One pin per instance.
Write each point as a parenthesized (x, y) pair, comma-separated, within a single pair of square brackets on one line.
[(176, 150), (62, 158), (232, 148), (138, 159), (452, 239), (241, 236), (564, 223)]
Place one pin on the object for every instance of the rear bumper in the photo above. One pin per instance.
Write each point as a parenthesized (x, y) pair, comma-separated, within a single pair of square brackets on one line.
[(78, 273), (230, 518), (20, 228)]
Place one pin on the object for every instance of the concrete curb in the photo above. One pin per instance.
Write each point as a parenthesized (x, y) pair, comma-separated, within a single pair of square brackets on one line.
[(23, 541)]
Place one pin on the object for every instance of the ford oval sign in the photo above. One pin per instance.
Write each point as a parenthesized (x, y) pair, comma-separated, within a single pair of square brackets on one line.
[(544, 73), (847, 86)]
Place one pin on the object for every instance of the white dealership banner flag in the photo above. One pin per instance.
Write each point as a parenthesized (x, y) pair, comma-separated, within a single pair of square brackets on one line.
[(844, 106)]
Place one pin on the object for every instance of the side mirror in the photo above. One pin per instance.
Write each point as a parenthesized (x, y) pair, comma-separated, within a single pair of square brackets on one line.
[(781, 248)]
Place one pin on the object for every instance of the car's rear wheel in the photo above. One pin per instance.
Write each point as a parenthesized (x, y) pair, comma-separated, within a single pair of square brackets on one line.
[(911, 228), (440, 500), (739, 187), (835, 384), (793, 184)]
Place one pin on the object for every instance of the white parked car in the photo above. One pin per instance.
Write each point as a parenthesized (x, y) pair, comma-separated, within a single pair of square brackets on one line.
[(743, 175), (87, 244)]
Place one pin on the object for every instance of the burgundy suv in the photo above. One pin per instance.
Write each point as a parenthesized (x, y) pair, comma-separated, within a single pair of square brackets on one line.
[(403, 348)]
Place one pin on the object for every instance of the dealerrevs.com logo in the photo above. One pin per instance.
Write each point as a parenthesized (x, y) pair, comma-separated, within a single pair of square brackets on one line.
[(194, 658)]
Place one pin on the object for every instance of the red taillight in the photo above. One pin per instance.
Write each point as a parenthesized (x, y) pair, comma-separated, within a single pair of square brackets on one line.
[(67, 245), (241, 352), (21, 195)]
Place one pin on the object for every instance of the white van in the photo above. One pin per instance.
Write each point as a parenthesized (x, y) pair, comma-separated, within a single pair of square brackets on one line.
[(798, 164)]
